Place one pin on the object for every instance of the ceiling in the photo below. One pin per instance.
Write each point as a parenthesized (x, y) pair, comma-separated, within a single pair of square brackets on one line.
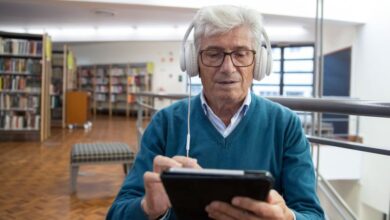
[(85, 20)]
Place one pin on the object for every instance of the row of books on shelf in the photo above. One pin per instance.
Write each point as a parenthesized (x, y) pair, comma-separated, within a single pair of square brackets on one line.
[(55, 88), (114, 98), (131, 98), (20, 65), (101, 88), (85, 73), (118, 80), (87, 88), (137, 71), (18, 83), (56, 113), (57, 73), (136, 80), (85, 81), (20, 46), (18, 101), (57, 59), (117, 89), (101, 72), (28, 121), (101, 80), (100, 97), (55, 102), (131, 80), (117, 72)]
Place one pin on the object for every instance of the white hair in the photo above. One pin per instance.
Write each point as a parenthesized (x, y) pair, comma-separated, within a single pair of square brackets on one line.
[(214, 20)]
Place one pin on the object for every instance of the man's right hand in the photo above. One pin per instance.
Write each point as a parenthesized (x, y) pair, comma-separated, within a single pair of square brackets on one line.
[(156, 202)]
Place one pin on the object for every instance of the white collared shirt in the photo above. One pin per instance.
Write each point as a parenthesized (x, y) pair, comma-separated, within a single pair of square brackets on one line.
[(234, 121)]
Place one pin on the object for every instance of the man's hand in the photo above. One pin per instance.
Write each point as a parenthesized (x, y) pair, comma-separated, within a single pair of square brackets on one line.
[(155, 202), (246, 208)]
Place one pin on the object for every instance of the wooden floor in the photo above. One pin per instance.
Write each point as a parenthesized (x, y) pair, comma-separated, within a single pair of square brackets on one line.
[(34, 177)]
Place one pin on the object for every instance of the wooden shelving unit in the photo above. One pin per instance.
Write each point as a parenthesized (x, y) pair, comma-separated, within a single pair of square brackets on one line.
[(25, 71), (112, 85), (101, 91), (58, 87), (118, 85)]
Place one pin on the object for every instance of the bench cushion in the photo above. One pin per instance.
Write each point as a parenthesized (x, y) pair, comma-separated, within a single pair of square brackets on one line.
[(101, 152)]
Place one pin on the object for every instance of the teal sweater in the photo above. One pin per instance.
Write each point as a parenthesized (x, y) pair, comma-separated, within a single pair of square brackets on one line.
[(269, 137)]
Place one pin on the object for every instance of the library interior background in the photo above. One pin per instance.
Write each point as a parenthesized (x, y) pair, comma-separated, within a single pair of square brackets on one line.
[(92, 73)]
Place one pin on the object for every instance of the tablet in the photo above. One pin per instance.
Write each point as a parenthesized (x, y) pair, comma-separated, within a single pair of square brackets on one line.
[(191, 190)]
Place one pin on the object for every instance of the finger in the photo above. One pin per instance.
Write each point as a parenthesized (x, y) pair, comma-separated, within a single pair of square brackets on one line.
[(231, 211), (219, 215), (161, 163), (153, 182), (187, 162), (216, 214), (274, 197), (151, 177), (261, 209)]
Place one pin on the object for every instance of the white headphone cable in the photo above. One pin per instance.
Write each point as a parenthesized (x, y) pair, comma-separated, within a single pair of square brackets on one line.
[(188, 119)]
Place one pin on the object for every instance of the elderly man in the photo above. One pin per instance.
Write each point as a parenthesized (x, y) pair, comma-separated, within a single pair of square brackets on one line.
[(231, 128)]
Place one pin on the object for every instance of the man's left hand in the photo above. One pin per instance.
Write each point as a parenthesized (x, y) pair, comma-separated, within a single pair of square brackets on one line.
[(247, 208)]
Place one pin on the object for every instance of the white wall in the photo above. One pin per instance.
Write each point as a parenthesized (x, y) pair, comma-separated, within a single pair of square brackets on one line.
[(371, 81), (164, 55), (337, 37)]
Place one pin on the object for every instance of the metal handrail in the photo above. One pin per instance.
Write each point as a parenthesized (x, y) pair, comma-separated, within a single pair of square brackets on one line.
[(336, 196), (333, 105), (347, 145), (328, 105)]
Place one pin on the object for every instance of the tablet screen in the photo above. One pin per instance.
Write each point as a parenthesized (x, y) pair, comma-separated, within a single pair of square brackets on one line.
[(191, 190)]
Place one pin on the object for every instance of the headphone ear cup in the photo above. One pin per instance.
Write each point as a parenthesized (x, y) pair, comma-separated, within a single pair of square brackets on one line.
[(261, 64), (183, 59), (191, 60), (256, 72)]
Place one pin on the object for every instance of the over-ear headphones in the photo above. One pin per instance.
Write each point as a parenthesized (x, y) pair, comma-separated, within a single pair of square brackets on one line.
[(189, 58)]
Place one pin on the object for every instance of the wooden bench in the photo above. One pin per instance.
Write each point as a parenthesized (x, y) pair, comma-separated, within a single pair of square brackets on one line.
[(98, 153)]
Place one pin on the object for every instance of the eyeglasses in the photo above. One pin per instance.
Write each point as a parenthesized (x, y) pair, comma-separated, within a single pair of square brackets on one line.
[(215, 58)]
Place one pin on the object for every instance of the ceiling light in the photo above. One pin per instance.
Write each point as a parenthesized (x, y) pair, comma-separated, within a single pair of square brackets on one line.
[(283, 31), (104, 13)]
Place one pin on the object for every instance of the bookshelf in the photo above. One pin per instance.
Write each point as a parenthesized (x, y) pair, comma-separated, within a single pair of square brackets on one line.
[(58, 87), (112, 85), (118, 84), (139, 79), (24, 86), (101, 91)]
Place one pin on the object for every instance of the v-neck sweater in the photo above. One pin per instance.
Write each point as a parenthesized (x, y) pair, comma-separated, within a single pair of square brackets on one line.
[(269, 137)]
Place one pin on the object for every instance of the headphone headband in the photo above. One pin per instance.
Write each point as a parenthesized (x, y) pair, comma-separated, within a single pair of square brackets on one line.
[(189, 59), (183, 45)]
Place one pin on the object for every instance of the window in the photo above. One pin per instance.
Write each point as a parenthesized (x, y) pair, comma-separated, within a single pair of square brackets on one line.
[(292, 73)]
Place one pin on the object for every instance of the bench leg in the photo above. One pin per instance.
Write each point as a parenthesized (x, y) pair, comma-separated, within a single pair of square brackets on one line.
[(127, 167), (73, 177)]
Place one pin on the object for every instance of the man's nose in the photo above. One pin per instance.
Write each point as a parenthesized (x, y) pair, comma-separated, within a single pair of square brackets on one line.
[(227, 65)]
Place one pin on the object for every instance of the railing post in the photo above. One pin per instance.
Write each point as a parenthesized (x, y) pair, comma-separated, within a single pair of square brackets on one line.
[(139, 120)]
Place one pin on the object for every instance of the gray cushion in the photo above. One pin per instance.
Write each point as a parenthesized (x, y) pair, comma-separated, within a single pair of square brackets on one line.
[(101, 152)]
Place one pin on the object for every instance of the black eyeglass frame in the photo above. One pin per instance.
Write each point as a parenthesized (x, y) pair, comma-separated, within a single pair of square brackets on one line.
[(230, 55)]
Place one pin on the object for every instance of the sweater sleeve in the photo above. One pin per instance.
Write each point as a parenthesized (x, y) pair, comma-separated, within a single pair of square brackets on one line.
[(127, 204), (298, 179)]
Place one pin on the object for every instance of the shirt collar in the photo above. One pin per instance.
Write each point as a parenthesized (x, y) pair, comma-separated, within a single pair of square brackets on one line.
[(243, 109)]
